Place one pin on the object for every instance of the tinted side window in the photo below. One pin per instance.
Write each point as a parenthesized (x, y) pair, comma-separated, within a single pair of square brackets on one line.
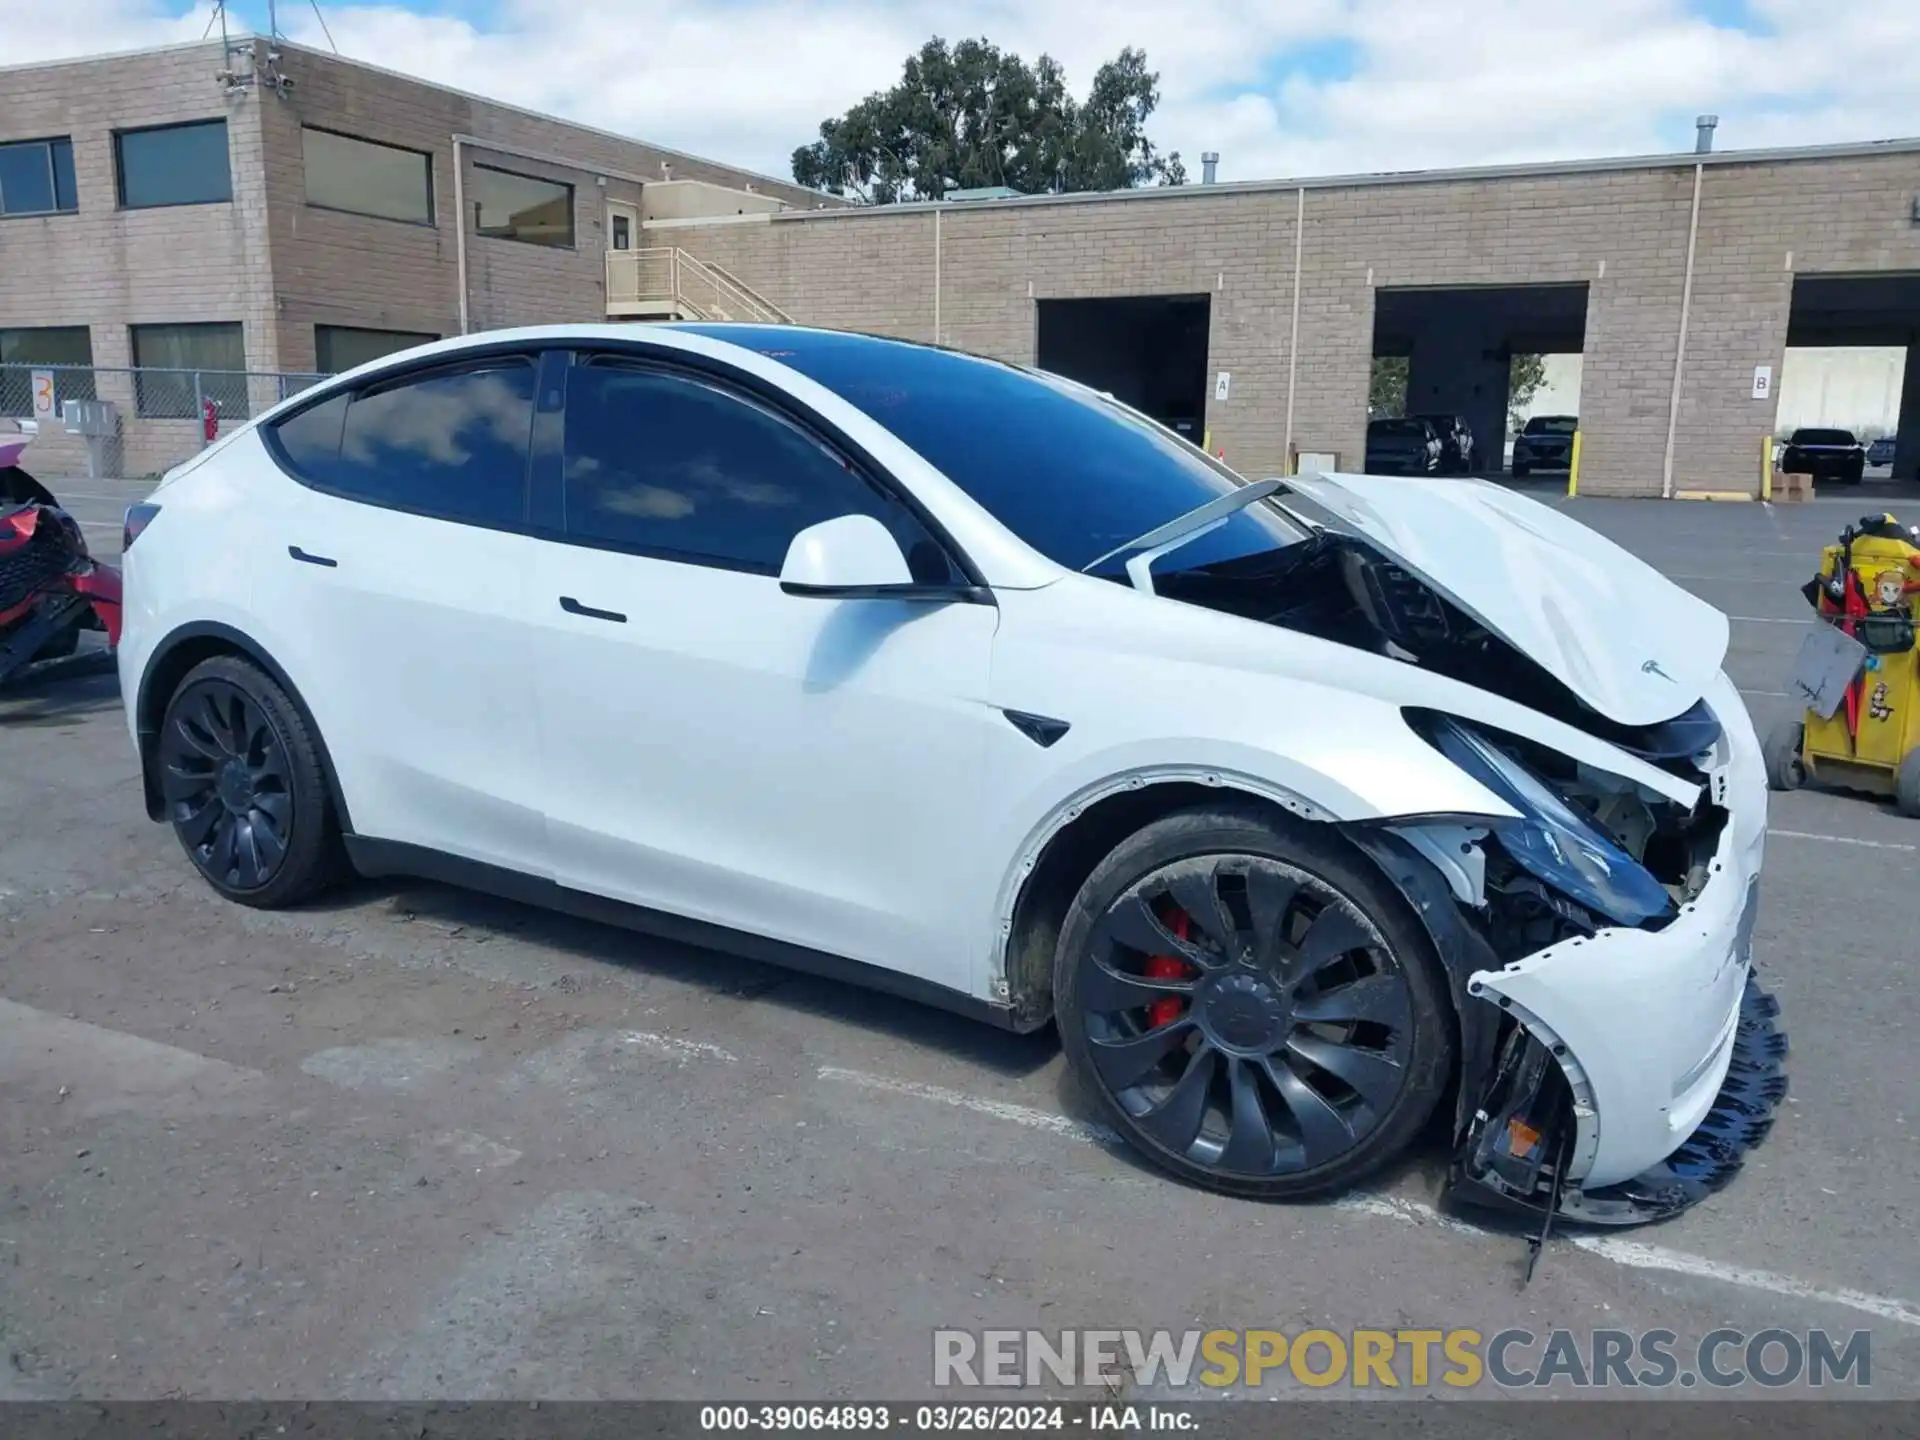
[(670, 465), (451, 443), (311, 439)]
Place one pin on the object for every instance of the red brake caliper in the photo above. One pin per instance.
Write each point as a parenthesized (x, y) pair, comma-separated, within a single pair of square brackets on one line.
[(1169, 1008)]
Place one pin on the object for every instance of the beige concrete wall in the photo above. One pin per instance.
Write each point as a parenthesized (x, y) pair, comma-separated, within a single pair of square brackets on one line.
[(334, 269), (1623, 233), (111, 269), (268, 260), (678, 199)]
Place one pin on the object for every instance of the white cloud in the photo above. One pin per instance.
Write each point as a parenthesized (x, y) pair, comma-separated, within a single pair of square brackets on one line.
[(1434, 82)]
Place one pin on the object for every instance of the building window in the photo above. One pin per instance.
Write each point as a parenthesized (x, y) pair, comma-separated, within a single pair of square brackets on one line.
[(36, 177), (519, 207), (67, 350), (364, 177), (341, 347), (174, 165), (169, 356)]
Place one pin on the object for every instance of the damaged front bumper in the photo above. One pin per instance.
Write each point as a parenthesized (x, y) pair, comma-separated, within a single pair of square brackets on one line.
[(1619, 1077), (1526, 1144)]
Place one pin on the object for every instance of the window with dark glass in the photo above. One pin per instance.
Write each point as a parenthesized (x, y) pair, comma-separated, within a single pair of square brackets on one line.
[(507, 206), (365, 177), (341, 347), (36, 177), (169, 357), (672, 466), (174, 165), (451, 443), (67, 350)]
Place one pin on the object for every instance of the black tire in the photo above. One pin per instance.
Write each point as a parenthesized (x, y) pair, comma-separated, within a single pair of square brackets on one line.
[(242, 782), (1520, 472), (1243, 1092), (1786, 769), (1906, 784)]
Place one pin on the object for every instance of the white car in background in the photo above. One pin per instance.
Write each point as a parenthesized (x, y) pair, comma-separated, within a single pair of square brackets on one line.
[(1297, 805)]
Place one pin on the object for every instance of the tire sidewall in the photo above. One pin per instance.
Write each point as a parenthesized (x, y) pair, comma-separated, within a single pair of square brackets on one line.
[(1237, 830), (308, 835)]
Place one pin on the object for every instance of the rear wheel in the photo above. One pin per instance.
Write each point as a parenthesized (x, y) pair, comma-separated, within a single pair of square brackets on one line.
[(241, 778), (1520, 471), (1256, 1010)]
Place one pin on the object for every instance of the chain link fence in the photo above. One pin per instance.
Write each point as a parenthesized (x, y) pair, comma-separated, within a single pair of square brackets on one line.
[(146, 420)]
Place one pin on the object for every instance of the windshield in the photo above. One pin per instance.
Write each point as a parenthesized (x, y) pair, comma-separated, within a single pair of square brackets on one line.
[(1822, 437), (1552, 425), (1070, 473), (1397, 429)]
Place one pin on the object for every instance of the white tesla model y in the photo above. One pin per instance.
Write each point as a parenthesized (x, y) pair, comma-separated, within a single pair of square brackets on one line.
[(1299, 806)]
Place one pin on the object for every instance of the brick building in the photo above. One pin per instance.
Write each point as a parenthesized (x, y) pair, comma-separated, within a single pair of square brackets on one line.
[(1305, 282), (154, 213), (1254, 310)]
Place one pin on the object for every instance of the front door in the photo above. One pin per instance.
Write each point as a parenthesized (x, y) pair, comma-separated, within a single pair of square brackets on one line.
[(799, 768), (623, 223)]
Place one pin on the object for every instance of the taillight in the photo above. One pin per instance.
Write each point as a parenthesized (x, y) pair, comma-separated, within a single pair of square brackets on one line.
[(138, 518)]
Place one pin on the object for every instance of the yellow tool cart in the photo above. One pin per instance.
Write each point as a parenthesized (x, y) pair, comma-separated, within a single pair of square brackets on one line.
[(1857, 671)]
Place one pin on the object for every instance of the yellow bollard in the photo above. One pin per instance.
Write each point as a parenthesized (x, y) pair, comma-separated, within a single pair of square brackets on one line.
[(1573, 468), (1766, 468)]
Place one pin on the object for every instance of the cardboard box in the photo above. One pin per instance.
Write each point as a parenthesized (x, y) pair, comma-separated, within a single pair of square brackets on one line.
[(1791, 489)]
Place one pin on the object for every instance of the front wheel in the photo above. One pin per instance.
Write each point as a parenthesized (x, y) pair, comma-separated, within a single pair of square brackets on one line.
[(1520, 472), (241, 778), (1254, 1006)]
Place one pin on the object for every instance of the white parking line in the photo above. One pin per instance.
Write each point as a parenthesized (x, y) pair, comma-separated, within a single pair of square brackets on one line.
[(675, 1048), (1635, 1256), (1026, 1115), (1771, 619), (1626, 1253), (1841, 840)]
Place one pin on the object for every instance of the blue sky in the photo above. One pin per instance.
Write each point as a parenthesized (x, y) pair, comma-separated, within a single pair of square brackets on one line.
[(1279, 87)]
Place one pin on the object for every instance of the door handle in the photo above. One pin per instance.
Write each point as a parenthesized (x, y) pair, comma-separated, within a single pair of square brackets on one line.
[(574, 607), (297, 553)]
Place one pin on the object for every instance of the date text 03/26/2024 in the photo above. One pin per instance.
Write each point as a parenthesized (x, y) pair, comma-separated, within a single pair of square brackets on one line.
[(944, 1418)]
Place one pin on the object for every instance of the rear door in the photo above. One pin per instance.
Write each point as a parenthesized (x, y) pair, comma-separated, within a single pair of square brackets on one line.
[(405, 560)]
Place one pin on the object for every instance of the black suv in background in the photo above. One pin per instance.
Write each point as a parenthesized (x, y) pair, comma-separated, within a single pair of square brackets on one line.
[(1406, 446), (1825, 455), (1544, 443), (1456, 441)]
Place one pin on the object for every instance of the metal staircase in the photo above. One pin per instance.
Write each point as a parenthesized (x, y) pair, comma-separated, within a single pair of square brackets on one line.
[(666, 283)]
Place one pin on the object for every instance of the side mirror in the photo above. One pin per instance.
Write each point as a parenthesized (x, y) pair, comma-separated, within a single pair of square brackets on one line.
[(855, 557)]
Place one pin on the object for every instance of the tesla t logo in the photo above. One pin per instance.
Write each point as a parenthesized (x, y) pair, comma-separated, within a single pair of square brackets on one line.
[(1652, 667)]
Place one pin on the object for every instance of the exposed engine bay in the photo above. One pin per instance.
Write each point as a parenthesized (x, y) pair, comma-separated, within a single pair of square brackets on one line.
[(1597, 852)]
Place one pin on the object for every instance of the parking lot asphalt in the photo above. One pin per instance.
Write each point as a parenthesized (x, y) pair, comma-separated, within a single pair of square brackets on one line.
[(415, 1142)]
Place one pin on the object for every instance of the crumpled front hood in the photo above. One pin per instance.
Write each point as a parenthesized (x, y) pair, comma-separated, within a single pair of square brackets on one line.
[(1630, 643)]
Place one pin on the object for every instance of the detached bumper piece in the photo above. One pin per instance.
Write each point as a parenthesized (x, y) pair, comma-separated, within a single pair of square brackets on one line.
[(1511, 1154)]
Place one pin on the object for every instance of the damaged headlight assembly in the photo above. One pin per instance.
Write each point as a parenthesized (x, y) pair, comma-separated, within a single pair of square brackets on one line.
[(1550, 839)]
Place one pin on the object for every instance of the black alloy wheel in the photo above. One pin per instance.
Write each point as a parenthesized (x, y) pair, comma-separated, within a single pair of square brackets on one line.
[(242, 785), (1256, 1018)]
